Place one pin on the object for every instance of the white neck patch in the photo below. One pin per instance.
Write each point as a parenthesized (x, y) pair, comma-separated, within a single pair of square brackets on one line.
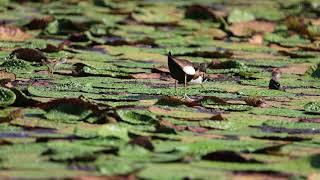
[(189, 70)]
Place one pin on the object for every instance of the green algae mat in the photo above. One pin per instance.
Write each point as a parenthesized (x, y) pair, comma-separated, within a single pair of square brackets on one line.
[(86, 92)]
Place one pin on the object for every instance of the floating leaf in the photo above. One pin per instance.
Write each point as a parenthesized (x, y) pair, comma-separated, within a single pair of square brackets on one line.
[(142, 141), (39, 23), (7, 97), (28, 54), (227, 156), (240, 16), (203, 12), (312, 107), (135, 117), (14, 65), (158, 15), (113, 130), (7, 75)]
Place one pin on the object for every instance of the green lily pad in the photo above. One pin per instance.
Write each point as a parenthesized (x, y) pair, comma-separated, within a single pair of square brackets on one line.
[(7, 97), (240, 16), (312, 107)]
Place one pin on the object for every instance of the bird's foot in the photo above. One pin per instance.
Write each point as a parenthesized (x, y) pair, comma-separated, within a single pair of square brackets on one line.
[(186, 97)]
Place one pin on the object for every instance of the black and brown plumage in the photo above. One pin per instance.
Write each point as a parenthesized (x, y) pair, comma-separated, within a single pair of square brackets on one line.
[(274, 81), (184, 71)]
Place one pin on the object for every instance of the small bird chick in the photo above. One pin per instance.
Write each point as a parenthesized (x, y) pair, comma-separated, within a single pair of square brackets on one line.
[(274, 81)]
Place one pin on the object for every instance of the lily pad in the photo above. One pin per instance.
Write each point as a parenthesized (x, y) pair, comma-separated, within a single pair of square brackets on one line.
[(313, 107), (7, 97), (240, 16)]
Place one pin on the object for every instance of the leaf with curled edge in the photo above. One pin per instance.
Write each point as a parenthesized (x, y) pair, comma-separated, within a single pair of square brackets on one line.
[(71, 110), (73, 102), (196, 11), (39, 23), (228, 156), (22, 100), (29, 54), (175, 101)]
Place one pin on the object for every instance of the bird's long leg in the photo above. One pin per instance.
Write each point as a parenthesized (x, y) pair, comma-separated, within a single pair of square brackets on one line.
[(185, 87), (175, 85), (185, 82), (202, 86)]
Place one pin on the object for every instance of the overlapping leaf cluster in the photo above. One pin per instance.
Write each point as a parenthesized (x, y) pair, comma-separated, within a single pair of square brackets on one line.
[(86, 92)]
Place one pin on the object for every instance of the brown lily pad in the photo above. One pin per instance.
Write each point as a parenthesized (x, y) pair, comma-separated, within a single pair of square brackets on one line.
[(255, 101), (203, 12), (227, 156), (143, 141), (251, 27), (71, 101), (310, 120), (39, 23), (7, 75), (8, 33), (175, 101), (145, 76), (29, 54), (295, 69)]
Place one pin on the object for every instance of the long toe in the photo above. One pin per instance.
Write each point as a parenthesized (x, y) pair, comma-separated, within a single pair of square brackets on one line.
[(186, 97)]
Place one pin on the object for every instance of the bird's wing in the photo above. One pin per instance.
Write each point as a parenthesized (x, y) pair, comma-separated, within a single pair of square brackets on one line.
[(185, 65)]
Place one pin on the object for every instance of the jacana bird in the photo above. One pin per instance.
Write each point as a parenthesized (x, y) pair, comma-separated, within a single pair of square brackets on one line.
[(183, 71)]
